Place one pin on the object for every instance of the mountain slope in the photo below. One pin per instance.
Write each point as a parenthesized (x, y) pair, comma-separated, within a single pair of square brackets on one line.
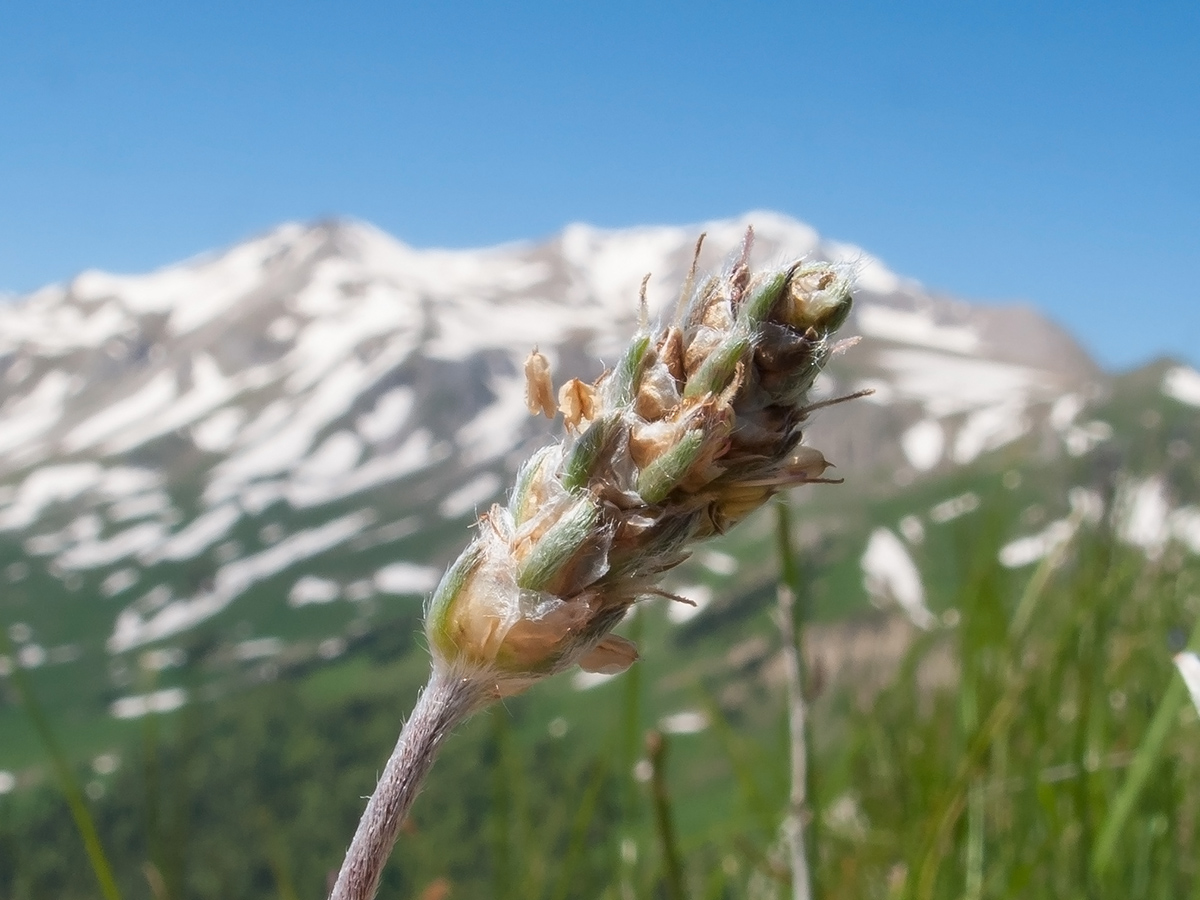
[(257, 456)]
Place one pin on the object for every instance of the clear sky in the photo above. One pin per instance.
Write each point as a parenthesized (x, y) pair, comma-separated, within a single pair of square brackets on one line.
[(997, 151)]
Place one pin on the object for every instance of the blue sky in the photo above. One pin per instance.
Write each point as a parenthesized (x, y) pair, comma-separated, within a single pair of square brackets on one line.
[(1046, 153)]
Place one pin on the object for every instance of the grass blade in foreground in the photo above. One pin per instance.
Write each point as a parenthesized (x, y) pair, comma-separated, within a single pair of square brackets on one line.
[(696, 426), (1148, 755), (66, 781)]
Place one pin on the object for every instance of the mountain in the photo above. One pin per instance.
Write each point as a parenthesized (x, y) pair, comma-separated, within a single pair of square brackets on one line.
[(253, 458)]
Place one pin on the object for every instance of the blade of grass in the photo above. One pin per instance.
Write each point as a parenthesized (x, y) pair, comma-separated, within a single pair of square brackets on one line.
[(656, 750), (68, 784), (973, 889), (955, 797), (277, 855), (501, 812), (1036, 587), (1148, 755), (579, 830), (982, 737), (152, 782), (743, 769), (158, 887)]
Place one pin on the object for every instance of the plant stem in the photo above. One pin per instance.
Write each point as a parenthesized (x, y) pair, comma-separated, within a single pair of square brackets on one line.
[(793, 823), (656, 750), (446, 700)]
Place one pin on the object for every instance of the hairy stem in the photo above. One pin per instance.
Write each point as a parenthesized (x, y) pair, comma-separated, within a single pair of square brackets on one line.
[(446, 701)]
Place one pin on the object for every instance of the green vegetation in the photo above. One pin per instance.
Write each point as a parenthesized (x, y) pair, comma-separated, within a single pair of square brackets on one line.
[(987, 759)]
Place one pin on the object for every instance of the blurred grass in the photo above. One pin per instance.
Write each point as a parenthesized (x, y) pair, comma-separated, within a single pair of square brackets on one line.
[(1030, 747), (65, 775)]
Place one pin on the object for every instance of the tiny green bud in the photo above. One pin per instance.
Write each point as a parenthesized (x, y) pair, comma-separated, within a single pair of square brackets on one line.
[(558, 547), (439, 617), (718, 369), (523, 504), (759, 305), (588, 450), (659, 478), (819, 299), (623, 384)]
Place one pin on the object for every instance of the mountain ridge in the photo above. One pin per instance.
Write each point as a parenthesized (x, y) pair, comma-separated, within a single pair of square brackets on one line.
[(287, 438)]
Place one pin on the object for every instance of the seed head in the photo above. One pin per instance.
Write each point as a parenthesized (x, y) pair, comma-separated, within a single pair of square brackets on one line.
[(695, 427)]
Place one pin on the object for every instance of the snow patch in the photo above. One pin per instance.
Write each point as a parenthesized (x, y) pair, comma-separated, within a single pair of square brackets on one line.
[(989, 429), (872, 275), (1080, 439), (1142, 514), (1086, 504), (118, 582), (946, 385), (218, 432), (324, 344), (123, 414), (331, 648), (31, 656), (910, 327), (688, 721), (1027, 550), (83, 528), (406, 578), (949, 510), (310, 589), (137, 705), (468, 497), (283, 433), (717, 562), (162, 658), (31, 416), (200, 290), (1064, 410), (889, 574), (48, 485), (1185, 527), (210, 389), (1183, 384), (496, 427), (93, 554), (913, 530), (701, 596), (390, 412), (416, 453), (200, 534), (283, 329), (1188, 664), (133, 628), (923, 444), (257, 648), (140, 506), (585, 681), (335, 456)]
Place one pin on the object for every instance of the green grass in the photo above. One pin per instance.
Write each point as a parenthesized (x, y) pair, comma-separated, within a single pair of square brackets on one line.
[(1049, 754)]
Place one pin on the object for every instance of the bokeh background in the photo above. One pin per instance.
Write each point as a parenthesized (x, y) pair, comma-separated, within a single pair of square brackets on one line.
[(270, 273)]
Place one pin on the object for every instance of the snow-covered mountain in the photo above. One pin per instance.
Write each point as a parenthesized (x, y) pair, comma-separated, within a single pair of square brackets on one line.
[(307, 421)]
